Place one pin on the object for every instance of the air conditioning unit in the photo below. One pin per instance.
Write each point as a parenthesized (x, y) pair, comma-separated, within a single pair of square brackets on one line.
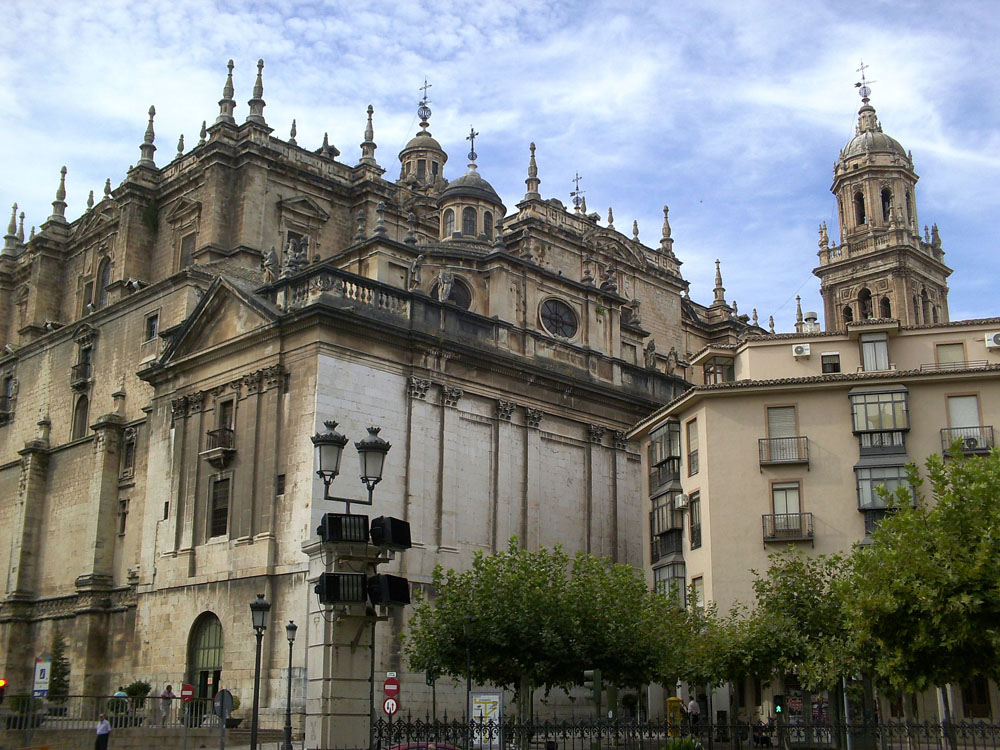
[(681, 501), (800, 350), (993, 340), (970, 443)]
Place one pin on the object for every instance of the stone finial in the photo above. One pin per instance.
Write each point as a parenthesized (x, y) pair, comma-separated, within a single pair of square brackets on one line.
[(107, 188), (147, 149), (292, 133), (411, 229), (736, 309), (360, 234), (10, 239), (20, 228), (368, 145), (720, 291), (611, 218), (380, 218), (227, 105), (532, 181), (770, 323), (90, 201), (257, 102), (635, 230), (203, 135), (32, 236), (180, 146), (588, 276), (666, 241), (754, 316), (935, 235), (798, 313), (328, 150), (824, 238), (59, 204)]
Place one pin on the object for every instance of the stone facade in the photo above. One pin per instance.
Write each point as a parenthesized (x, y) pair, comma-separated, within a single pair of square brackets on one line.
[(169, 352)]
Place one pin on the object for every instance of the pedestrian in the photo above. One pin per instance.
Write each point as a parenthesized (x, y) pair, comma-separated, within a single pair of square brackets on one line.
[(103, 733), (694, 712), (165, 697)]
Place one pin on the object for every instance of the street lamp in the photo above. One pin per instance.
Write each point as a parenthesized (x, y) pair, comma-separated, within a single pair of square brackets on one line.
[(290, 629), (329, 450), (372, 452), (259, 612)]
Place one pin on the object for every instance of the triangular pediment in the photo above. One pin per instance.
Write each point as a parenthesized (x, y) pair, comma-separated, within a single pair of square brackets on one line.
[(303, 206), (96, 221), (224, 314), (614, 249), (182, 209)]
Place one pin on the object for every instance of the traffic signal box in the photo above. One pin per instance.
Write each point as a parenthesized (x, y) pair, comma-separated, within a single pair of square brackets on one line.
[(592, 682), (779, 704), (3, 688)]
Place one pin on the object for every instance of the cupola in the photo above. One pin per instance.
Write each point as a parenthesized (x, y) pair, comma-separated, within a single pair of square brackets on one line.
[(422, 159), (470, 207)]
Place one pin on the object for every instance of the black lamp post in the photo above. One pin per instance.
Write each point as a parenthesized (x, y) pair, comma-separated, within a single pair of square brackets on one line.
[(329, 450), (259, 611), (372, 452), (290, 629)]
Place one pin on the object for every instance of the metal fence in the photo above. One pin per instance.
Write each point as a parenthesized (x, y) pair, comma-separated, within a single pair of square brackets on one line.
[(632, 735)]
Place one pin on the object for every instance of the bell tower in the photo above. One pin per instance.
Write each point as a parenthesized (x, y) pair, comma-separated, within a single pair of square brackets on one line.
[(882, 267)]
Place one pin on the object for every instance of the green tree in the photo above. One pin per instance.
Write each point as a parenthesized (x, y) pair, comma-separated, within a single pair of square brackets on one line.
[(59, 673), (924, 597)]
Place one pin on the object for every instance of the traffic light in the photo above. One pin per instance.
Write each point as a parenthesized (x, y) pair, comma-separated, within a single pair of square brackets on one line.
[(391, 533), (592, 682), (343, 527), (388, 590), (432, 675), (779, 704), (3, 688), (341, 588)]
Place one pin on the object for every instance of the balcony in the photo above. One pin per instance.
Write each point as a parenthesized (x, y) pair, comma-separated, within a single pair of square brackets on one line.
[(79, 375), (666, 545), (787, 527), (6, 409), (978, 439), (668, 470), (220, 447), (783, 450), (664, 519)]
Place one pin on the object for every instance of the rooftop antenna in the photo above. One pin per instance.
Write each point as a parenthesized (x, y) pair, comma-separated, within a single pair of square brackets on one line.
[(864, 90), (577, 194)]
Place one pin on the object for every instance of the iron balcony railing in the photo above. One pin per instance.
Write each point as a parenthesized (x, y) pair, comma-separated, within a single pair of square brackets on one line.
[(962, 365), (222, 437), (787, 527), (5, 405), (695, 536), (666, 471), (692, 463), (80, 373), (971, 439), (784, 450)]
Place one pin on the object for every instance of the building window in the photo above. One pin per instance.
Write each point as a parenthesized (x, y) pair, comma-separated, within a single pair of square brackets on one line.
[(664, 455), (219, 521), (128, 454), (80, 417), (859, 209), (122, 516), (459, 294), (830, 362), (669, 579), (874, 352), (449, 223), (886, 205), (965, 425), (151, 327), (187, 249), (469, 221), (103, 280), (692, 446), (909, 219), (558, 318), (875, 411), (488, 225), (694, 509), (664, 517), (166, 509), (848, 314), (884, 308), (871, 477), (976, 698), (698, 584), (421, 169), (865, 303), (950, 355), (719, 370), (7, 398), (785, 502), (279, 484)]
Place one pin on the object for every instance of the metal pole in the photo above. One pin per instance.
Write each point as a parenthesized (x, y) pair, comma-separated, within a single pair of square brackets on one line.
[(371, 693), (468, 686), (847, 714), (256, 691), (288, 703)]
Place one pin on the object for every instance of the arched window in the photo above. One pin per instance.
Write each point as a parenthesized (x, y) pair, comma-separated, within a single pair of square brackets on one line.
[(459, 295), (934, 310), (925, 306), (421, 169), (103, 279), (488, 224), (205, 654), (865, 304), (469, 221), (80, 417), (909, 215), (848, 314), (859, 209), (449, 223), (886, 205), (884, 308)]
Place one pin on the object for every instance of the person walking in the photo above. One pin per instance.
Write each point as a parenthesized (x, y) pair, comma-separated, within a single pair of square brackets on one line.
[(103, 733), (694, 712), (165, 697)]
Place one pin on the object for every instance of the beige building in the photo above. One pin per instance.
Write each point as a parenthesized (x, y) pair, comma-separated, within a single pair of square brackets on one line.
[(166, 356), (790, 434)]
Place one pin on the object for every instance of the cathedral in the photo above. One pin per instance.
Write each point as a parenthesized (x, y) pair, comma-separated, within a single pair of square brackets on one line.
[(167, 354)]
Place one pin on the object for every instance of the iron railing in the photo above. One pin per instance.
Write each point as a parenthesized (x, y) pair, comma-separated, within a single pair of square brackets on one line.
[(961, 365), (784, 450), (222, 437), (79, 373), (787, 526), (692, 463), (971, 439)]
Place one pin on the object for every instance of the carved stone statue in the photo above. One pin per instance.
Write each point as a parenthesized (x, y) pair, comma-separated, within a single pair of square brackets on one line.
[(269, 263), (634, 313), (649, 355), (445, 281), (415, 271), (672, 360), (608, 282)]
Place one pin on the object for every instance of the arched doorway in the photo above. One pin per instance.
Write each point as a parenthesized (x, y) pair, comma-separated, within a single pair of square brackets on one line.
[(205, 655)]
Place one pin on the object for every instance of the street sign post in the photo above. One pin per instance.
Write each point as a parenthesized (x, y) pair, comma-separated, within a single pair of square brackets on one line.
[(391, 687), (390, 706), (223, 709), (187, 693)]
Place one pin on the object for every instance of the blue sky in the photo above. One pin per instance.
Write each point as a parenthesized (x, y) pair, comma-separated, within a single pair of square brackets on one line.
[(733, 113)]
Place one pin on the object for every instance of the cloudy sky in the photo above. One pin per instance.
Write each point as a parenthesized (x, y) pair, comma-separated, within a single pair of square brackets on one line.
[(730, 112)]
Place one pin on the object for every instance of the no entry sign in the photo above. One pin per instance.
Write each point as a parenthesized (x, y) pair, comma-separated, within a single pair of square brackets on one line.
[(390, 706), (187, 693), (391, 687)]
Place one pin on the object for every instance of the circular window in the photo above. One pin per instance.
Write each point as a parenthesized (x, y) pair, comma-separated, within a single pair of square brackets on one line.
[(558, 318), (459, 295)]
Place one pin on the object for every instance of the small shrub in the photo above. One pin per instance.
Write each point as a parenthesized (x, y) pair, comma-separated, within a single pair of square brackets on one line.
[(682, 743), (138, 691)]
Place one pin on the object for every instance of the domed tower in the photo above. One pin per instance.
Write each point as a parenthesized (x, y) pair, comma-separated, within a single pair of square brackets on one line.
[(882, 268), (422, 159), (469, 206)]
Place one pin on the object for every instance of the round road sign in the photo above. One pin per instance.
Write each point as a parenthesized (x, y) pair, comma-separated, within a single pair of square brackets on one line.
[(224, 704), (187, 693), (391, 687), (390, 706)]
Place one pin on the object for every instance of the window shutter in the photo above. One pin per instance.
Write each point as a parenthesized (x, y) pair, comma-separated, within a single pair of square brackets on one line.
[(781, 421), (963, 411)]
